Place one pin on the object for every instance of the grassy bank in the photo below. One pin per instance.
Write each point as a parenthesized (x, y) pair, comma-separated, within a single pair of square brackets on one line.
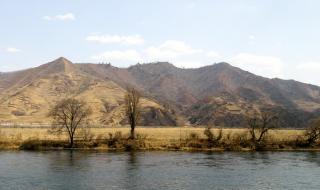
[(152, 139)]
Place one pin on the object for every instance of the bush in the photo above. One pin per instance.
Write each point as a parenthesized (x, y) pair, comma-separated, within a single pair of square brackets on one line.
[(35, 144), (114, 140), (85, 134), (301, 142), (211, 138), (313, 132), (193, 136), (118, 141), (241, 140), (194, 141)]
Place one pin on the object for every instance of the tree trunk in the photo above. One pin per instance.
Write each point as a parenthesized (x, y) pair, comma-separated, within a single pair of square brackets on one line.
[(132, 131), (71, 141)]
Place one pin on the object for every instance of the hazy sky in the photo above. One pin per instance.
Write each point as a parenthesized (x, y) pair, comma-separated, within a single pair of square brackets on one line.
[(269, 38)]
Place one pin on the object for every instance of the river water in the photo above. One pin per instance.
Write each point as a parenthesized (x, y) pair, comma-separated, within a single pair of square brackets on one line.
[(79, 170)]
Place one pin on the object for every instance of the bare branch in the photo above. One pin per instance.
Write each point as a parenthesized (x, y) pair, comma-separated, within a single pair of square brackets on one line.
[(132, 98), (69, 114), (260, 124)]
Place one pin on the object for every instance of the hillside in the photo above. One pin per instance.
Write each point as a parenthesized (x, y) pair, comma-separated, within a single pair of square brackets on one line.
[(26, 96), (218, 94)]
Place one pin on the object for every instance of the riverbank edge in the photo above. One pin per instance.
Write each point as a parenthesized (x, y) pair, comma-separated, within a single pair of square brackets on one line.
[(42, 145)]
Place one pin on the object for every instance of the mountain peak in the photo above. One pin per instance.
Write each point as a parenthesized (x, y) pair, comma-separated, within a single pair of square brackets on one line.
[(60, 64), (62, 60), (222, 64)]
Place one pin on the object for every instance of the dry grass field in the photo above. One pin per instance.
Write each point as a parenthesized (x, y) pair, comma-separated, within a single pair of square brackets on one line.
[(9, 134)]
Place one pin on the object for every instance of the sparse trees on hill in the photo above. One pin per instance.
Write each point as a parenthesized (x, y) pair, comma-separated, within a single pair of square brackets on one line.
[(68, 115), (132, 98), (260, 124)]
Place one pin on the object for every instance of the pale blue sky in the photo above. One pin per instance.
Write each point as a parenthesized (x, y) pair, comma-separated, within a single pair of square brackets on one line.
[(269, 38)]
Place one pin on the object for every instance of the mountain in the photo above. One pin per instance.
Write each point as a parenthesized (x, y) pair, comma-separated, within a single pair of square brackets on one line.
[(26, 96), (218, 94)]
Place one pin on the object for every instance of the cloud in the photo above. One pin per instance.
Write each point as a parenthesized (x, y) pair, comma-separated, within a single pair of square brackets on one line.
[(178, 47), (309, 66), (114, 56), (213, 54), (252, 37), (178, 53), (12, 50), (190, 5), (113, 39), (64, 17), (307, 72), (252, 40), (183, 55), (169, 50), (267, 66)]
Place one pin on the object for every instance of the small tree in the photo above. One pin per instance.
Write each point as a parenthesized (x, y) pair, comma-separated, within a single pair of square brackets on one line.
[(260, 125), (313, 132), (211, 137), (68, 115), (132, 98)]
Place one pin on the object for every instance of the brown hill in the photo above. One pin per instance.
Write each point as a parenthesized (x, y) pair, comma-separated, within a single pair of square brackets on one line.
[(218, 94), (27, 96)]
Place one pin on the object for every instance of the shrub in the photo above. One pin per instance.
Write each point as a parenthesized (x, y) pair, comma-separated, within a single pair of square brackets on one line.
[(115, 139), (211, 138), (301, 142), (313, 132), (85, 134), (193, 136), (241, 139), (135, 144), (193, 140), (260, 124), (35, 144), (118, 141), (209, 134)]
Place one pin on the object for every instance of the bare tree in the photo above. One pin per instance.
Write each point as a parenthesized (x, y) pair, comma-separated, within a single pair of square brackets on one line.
[(313, 132), (260, 125), (68, 115), (132, 99)]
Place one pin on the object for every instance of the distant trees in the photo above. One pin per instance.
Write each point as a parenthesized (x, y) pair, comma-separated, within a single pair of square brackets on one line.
[(68, 115), (313, 132), (260, 124), (132, 98)]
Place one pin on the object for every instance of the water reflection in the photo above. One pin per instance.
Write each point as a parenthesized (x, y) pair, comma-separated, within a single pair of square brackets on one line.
[(70, 159), (159, 170), (313, 157), (213, 160), (132, 159), (132, 178)]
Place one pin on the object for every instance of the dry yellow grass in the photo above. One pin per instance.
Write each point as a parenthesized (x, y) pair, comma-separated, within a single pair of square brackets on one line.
[(159, 134)]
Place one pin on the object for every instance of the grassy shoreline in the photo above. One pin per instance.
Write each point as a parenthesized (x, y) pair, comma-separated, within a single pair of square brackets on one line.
[(151, 138)]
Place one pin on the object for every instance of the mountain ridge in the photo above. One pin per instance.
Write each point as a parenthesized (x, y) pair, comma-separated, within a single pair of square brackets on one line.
[(217, 94)]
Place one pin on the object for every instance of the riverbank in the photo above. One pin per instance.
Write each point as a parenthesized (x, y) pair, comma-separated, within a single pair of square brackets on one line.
[(148, 138)]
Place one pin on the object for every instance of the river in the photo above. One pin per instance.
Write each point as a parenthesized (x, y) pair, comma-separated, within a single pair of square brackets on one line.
[(79, 170)]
